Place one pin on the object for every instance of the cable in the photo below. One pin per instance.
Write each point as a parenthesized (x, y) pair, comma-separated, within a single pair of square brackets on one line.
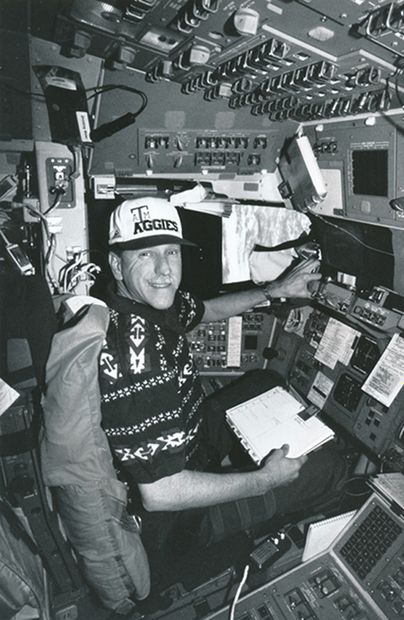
[(51, 239), (365, 245), (237, 595), (75, 270), (88, 271), (51, 249), (24, 93), (354, 479), (110, 128), (99, 90), (64, 272), (60, 191), (76, 151), (41, 216)]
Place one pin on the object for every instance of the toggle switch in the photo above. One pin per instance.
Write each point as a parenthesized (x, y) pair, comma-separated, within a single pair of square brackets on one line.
[(246, 21)]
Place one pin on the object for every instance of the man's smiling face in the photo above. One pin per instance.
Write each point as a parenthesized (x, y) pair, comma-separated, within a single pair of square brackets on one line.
[(150, 276)]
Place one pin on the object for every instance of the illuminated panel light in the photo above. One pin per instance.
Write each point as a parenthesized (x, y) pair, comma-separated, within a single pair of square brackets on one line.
[(110, 13), (320, 33)]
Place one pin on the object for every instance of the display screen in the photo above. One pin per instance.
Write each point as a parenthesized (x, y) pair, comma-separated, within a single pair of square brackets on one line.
[(365, 355), (250, 342), (369, 172)]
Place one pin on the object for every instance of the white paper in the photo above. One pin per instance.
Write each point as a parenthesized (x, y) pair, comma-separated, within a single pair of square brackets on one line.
[(387, 377), (267, 266), (234, 337), (7, 396), (270, 420), (336, 345), (320, 389)]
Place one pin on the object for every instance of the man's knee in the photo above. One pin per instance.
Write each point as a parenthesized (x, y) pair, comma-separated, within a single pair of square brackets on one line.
[(251, 384), (321, 481), (324, 472)]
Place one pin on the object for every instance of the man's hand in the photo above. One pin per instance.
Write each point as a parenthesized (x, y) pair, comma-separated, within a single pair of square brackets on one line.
[(279, 470), (295, 282)]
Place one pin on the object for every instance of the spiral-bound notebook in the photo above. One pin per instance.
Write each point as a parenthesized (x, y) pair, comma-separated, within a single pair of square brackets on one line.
[(322, 534), (274, 418)]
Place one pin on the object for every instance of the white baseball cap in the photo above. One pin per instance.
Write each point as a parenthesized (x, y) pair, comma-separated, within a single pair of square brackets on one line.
[(145, 222)]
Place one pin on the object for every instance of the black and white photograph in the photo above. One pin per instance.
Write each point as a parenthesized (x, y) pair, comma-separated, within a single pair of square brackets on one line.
[(201, 310)]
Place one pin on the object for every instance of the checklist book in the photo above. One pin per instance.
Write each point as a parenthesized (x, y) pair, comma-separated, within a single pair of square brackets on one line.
[(274, 418)]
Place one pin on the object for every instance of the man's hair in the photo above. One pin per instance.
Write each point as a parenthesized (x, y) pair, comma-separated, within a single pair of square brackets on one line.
[(117, 251)]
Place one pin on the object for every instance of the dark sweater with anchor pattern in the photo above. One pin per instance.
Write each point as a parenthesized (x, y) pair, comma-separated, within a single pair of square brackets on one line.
[(150, 389)]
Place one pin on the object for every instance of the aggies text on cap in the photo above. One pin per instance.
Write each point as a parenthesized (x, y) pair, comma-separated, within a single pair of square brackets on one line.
[(145, 222)]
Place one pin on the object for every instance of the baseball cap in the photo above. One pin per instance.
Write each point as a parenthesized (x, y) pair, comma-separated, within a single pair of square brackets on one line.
[(145, 222)]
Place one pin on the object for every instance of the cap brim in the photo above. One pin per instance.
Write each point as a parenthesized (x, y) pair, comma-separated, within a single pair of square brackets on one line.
[(150, 242)]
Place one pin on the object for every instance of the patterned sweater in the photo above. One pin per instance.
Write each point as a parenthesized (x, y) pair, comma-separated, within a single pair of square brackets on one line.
[(150, 388)]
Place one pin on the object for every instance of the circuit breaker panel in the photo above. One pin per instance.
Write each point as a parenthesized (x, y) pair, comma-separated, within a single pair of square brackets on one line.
[(231, 346)]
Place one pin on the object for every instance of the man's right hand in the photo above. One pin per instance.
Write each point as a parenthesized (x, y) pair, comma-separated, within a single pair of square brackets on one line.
[(279, 470)]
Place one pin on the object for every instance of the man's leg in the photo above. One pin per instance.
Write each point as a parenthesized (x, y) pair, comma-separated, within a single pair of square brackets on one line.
[(215, 434), (175, 540), (320, 486)]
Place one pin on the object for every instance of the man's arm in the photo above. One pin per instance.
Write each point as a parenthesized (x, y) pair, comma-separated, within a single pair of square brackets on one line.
[(293, 284), (195, 489)]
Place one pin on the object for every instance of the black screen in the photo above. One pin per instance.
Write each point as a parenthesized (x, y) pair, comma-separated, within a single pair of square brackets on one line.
[(369, 168), (362, 250), (250, 342)]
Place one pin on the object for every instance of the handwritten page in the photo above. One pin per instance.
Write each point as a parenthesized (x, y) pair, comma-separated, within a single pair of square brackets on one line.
[(387, 377)]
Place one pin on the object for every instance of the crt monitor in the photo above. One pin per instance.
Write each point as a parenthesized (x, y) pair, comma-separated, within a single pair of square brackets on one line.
[(370, 172)]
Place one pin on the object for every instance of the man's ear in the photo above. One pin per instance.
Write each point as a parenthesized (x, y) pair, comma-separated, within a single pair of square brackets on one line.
[(115, 265)]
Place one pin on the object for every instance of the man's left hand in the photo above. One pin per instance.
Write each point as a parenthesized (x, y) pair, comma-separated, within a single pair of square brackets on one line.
[(296, 282)]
